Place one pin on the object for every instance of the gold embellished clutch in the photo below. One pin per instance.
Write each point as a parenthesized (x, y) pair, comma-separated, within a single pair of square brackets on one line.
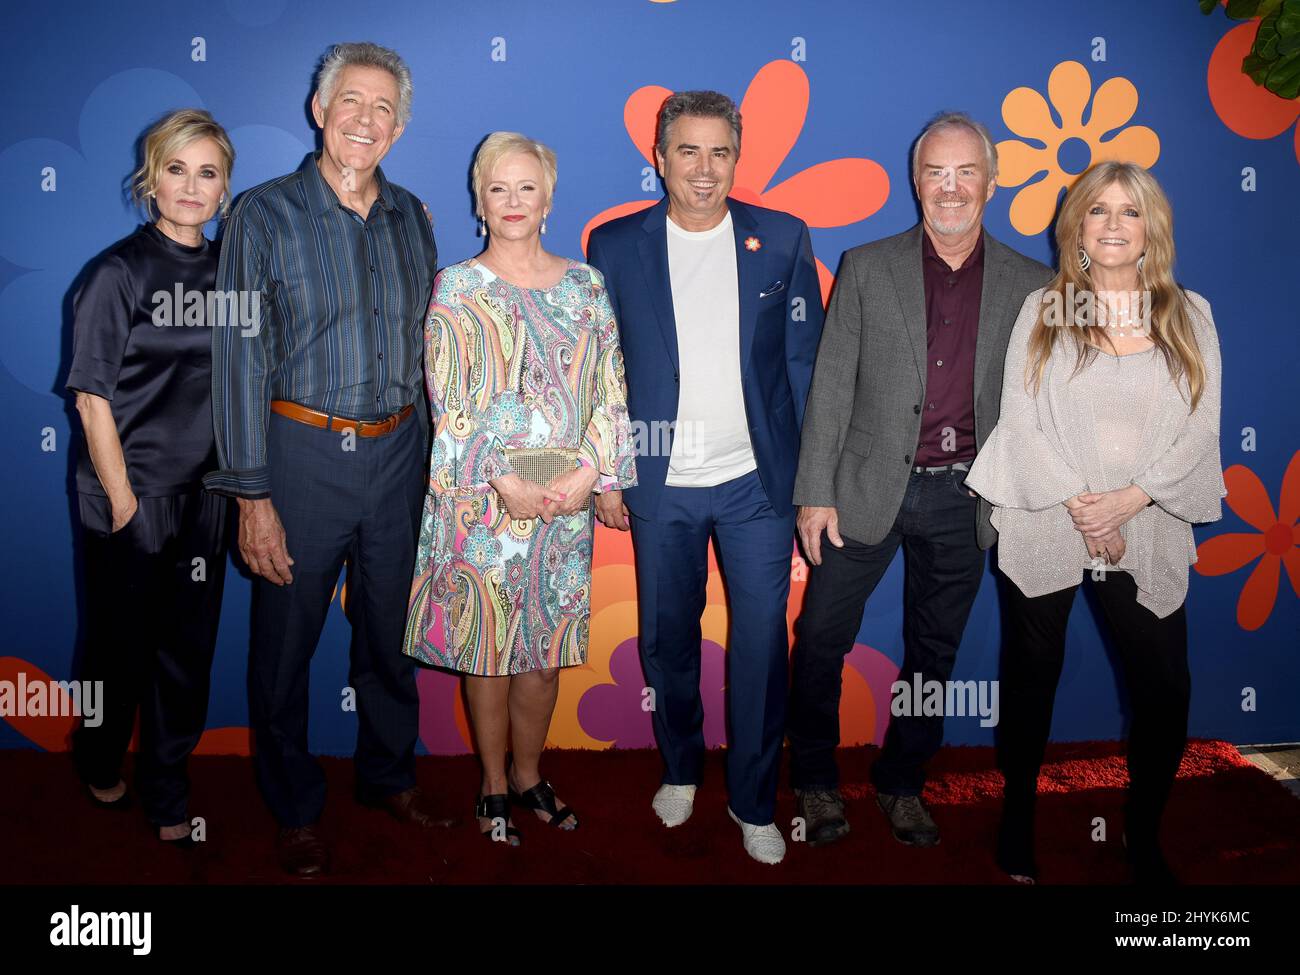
[(541, 465)]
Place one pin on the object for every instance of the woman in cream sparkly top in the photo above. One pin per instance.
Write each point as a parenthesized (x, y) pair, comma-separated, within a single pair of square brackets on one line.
[(1106, 454)]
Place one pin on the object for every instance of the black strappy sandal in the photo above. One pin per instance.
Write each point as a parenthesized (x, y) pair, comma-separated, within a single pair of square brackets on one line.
[(494, 808), (542, 796)]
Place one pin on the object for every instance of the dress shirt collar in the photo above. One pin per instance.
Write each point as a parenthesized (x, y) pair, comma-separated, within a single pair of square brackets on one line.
[(974, 259), (322, 197)]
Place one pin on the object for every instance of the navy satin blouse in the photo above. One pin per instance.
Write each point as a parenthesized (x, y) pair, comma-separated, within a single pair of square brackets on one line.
[(142, 339)]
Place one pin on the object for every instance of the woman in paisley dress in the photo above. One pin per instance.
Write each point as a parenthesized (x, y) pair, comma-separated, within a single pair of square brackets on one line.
[(521, 353)]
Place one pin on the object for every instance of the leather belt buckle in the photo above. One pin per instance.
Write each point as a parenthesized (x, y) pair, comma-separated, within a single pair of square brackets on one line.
[(380, 428), (324, 421), (375, 428), (961, 465)]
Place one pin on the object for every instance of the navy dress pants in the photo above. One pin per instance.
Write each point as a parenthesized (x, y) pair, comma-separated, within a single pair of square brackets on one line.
[(361, 504), (754, 547)]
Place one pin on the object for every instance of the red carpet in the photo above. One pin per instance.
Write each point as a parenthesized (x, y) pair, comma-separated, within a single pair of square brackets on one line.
[(1227, 823)]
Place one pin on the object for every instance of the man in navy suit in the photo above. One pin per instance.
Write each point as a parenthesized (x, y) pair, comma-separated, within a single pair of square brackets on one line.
[(719, 312)]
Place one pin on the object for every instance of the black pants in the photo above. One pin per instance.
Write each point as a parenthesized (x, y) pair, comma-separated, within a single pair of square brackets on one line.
[(362, 505), (151, 629), (944, 566), (1153, 655)]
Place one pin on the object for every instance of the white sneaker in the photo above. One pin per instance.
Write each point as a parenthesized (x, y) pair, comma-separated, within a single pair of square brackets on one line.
[(674, 803), (764, 843)]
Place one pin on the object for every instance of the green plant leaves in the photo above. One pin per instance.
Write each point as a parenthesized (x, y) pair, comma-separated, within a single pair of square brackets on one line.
[(1266, 39), (1274, 59), (1255, 68), (1243, 9), (1284, 76), (1288, 21)]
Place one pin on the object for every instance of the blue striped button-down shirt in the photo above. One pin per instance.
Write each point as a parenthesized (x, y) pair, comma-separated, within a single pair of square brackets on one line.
[(342, 303)]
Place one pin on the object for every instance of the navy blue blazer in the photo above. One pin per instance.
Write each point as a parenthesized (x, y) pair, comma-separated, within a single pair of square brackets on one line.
[(780, 325)]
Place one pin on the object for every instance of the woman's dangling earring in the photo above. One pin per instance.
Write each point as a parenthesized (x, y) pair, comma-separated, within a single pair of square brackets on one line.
[(543, 223), (1085, 261), (482, 228), (1142, 261)]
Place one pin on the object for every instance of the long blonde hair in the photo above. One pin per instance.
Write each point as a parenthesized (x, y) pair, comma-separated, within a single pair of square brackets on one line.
[(1171, 326)]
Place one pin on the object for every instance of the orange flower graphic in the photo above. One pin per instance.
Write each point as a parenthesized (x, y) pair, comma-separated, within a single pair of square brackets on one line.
[(1026, 113), (1248, 109), (829, 194), (1276, 538), (53, 730)]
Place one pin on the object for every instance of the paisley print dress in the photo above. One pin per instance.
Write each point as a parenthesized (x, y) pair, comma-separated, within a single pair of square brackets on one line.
[(511, 367)]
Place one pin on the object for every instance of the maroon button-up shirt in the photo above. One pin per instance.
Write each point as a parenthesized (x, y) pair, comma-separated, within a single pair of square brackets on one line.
[(952, 319)]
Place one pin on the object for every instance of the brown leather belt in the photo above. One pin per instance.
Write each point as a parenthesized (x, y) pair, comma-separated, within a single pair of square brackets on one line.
[(364, 428)]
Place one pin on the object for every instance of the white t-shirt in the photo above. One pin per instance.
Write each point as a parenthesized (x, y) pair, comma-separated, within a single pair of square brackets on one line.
[(711, 441)]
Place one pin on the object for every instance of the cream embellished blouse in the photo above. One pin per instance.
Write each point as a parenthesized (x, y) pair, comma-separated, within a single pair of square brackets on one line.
[(1120, 421)]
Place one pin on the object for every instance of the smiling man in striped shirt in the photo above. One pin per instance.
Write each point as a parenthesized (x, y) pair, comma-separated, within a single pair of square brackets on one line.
[(322, 436)]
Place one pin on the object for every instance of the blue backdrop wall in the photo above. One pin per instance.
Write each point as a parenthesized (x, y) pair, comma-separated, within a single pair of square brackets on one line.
[(848, 81)]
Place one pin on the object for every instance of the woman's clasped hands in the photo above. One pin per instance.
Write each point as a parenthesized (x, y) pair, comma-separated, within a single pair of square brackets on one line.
[(1098, 517), (525, 500)]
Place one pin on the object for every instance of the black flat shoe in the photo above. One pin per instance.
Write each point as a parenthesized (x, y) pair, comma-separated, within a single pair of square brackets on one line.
[(186, 842), (1148, 864), (120, 804), (1015, 857), (493, 808), (1015, 846), (542, 797)]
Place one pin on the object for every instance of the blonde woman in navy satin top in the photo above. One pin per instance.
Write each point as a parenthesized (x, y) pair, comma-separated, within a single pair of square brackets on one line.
[(154, 540)]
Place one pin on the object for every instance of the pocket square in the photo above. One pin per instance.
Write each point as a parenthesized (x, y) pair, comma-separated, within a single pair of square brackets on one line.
[(772, 289)]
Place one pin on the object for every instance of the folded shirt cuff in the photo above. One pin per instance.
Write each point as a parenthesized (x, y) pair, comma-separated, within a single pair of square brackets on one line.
[(252, 483)]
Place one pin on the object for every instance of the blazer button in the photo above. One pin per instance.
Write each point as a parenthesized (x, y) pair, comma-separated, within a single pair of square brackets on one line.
[(916, 408), (675, 379), (907, 458)]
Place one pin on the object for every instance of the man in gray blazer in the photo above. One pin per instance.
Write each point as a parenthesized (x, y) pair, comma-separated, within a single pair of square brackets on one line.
[(906, 389)]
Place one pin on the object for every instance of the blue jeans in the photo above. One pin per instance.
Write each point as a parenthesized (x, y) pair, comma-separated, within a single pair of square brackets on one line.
[(754, 547), (944, 565)]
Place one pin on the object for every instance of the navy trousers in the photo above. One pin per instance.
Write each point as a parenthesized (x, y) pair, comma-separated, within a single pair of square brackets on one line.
[(944, 565), (754, 545), (362, 505)]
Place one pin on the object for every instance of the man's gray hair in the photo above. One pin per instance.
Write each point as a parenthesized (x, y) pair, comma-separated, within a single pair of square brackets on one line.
[(701, 104), (365, 54), (957, 120)]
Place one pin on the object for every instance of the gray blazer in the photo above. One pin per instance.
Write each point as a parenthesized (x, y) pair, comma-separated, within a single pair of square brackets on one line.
[(864, 411)]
